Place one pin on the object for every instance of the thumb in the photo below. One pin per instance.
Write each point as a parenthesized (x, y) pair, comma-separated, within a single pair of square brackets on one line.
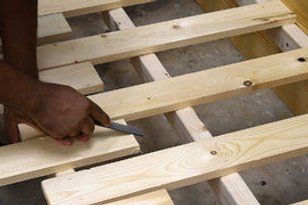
[(99, 115)]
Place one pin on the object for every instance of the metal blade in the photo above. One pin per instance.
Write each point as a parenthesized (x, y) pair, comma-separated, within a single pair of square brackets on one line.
[(126, 129), (122, 128)]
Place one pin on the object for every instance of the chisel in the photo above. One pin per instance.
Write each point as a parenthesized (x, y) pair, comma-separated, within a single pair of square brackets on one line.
[(122, 128)]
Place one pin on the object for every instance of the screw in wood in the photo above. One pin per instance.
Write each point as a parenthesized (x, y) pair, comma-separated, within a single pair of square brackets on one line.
[(176, 27), (247, 83), (213, 152), (301, 59)]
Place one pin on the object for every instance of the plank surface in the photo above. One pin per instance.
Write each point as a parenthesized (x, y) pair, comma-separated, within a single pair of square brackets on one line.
[(52, 27), (160, 197), (79, 7), (203, 87), (44, 156), (183, 165), (167, 35), (301, 203), (82, 76)]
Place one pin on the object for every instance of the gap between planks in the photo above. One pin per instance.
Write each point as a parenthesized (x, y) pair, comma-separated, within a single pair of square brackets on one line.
[(230, 188), (182, 165)]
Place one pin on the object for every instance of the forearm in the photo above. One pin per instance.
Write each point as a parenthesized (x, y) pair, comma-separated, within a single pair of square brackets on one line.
[(17, 89), (19, 33)]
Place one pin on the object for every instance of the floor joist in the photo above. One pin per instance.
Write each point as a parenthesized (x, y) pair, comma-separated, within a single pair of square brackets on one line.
[(204, 86), (165, 35), (229, 189), (43, 156), (182, 165)]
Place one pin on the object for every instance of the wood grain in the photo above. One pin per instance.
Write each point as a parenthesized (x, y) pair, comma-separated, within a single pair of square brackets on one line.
[(82, 76), (183, 165), (203, 87), (79, 7), (160, 197), (166, 35), (43, 156)]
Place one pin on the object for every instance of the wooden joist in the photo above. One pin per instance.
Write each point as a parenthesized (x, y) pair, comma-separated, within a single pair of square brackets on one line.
[(230, 188), (160, 197), (205, 86), (43, 156), (182, 165), (79, 7), (165, 35)]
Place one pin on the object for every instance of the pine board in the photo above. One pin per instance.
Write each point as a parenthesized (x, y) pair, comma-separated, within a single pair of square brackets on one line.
[(80, 7), (160, 197), (82, 76), (166, 35), (43, 156), (182, 165), (203, 87)]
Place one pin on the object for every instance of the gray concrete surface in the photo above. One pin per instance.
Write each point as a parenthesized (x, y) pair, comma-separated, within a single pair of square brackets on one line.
[(279, 183)]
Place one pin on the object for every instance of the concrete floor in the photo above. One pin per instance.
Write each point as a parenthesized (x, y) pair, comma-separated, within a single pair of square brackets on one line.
[(279, 183)]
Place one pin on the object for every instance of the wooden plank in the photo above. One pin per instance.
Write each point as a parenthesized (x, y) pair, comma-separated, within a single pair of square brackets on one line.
[(80, 7), (52, 28), (182, 165), (81, 76), (44, 156), (160, 197), (301, 203), (167, 35), (191, 89), (267, 43), (229, 189)]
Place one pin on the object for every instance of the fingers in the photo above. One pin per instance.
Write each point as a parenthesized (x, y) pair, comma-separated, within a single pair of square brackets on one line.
[(11, 126), (11, 131), (66, 141), (87, 129), (99, 115)]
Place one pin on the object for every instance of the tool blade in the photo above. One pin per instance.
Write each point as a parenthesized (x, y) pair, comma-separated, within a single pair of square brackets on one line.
[(126, 129), (122, 128)]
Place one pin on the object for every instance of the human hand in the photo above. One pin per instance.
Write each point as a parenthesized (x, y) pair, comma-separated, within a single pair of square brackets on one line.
[(58, 111)]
